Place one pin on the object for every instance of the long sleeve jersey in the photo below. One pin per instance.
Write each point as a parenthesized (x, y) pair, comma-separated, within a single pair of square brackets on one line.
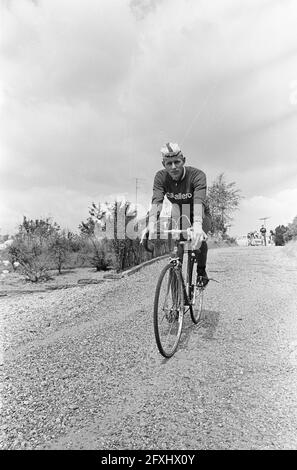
[(185, 193)]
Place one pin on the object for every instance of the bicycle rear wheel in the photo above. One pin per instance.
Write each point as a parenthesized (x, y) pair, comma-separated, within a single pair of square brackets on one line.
[(168, 310), (197, 293), (196, 290)]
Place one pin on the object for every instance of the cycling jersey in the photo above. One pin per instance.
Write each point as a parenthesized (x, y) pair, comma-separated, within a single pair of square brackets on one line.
[(189, 190), (184, 195)]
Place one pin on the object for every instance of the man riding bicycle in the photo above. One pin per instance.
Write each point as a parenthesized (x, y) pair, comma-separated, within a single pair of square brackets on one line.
[(185, 187)]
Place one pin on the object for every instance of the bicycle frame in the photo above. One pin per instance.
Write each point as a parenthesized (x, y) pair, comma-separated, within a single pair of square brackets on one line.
[(169, 312), (177, 263)]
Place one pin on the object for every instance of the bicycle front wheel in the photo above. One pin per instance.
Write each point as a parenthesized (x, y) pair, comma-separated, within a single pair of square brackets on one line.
[(168, 310)]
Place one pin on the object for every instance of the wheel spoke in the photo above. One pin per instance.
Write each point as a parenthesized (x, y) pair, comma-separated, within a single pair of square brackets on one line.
[(197, 299), (168, 311)]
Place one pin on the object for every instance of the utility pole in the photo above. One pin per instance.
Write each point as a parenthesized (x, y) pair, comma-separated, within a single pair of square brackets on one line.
[(137, 181), (136, 190), (264, 220)]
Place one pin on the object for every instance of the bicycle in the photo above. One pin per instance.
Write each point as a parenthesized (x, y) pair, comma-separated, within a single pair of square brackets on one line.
[(169, 312)]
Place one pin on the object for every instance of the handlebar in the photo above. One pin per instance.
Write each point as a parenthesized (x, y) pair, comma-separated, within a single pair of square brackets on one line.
[(187, 232), (178, 231), (145, 239)]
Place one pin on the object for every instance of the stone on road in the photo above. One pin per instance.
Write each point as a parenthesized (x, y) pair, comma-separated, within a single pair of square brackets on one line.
[(94, 379)]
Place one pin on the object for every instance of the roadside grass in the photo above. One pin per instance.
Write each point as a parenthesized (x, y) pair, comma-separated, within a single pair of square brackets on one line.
[(290, 249), (14, 282)]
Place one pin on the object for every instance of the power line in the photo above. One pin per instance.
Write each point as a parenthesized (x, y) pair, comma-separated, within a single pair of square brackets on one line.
[(264, 220), (137, 181)]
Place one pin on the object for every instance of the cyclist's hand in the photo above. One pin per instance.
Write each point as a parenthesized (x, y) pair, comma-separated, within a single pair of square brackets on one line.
[(198, 236), (144, 235), (147, 234), (144, 240)]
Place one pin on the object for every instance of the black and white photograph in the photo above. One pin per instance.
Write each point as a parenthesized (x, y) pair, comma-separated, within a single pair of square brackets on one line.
[(148, 228)]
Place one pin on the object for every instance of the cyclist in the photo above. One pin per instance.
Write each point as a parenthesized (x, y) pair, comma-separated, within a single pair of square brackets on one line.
[(263, 234), (272, 237), (185, 187)]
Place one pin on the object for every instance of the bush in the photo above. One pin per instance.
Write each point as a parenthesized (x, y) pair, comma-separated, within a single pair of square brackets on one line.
[(35, 247), (33, 255), (229, 240), (291, 232), (96, 252), (59, 248), (120, 251), (279, 235)]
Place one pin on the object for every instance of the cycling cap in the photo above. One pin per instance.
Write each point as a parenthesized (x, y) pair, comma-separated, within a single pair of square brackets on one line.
[(171, 150)]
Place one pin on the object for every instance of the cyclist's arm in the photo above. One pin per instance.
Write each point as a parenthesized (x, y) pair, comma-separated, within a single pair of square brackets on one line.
[(199, 183)]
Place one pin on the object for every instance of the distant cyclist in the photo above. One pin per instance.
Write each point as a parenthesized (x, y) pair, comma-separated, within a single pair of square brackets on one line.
[(272, 237), (185, 187), (263, 233)]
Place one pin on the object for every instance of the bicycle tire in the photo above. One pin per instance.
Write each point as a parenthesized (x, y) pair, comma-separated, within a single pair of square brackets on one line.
[(196, 310), (168, 320), (195, 290)]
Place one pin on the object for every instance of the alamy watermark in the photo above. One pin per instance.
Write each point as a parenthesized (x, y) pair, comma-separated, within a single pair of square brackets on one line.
[(120, 227)]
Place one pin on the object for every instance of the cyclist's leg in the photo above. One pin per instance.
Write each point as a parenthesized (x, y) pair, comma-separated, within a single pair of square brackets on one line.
[(180, 253), (181, 257), (201, 254)]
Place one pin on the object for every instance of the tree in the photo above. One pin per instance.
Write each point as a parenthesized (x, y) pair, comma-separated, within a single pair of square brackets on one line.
[(124, 247), (279, 235), (223, 199), (60, 248), (30, 248), (41, 228), (291, 232), (94, 248)]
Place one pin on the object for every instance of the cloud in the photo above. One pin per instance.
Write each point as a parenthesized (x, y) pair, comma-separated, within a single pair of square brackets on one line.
[(63, 116), (280, 209), (90, 91), (141, 8), (67, 207), (71, 52)]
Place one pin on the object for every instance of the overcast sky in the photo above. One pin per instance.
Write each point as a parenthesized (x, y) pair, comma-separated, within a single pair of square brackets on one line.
[(91, 89)]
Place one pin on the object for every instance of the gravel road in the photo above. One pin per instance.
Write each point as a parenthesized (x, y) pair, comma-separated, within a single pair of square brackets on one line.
[(80, 369)]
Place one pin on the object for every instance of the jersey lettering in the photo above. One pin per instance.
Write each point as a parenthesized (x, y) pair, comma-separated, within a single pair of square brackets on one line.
[(179, 196)]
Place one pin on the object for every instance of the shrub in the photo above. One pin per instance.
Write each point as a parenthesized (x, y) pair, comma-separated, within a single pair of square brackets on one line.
[(33, 255), (59, 248), (31, 248), (279, 235), (229, 240), (291, 232), (96, 252), (120, 251)]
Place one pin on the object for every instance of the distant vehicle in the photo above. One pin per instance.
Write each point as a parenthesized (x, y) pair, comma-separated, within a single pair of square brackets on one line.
[(254, 239), (242, 241), (257, 241)]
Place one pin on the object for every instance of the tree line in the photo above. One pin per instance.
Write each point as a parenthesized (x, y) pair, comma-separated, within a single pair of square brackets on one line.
[(41, 245), (284, 234)]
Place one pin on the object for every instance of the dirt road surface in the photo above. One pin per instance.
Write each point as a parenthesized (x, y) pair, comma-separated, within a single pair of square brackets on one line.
[(80, 369)]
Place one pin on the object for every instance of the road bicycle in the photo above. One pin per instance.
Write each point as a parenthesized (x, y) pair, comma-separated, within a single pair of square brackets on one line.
[(175, 295)]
